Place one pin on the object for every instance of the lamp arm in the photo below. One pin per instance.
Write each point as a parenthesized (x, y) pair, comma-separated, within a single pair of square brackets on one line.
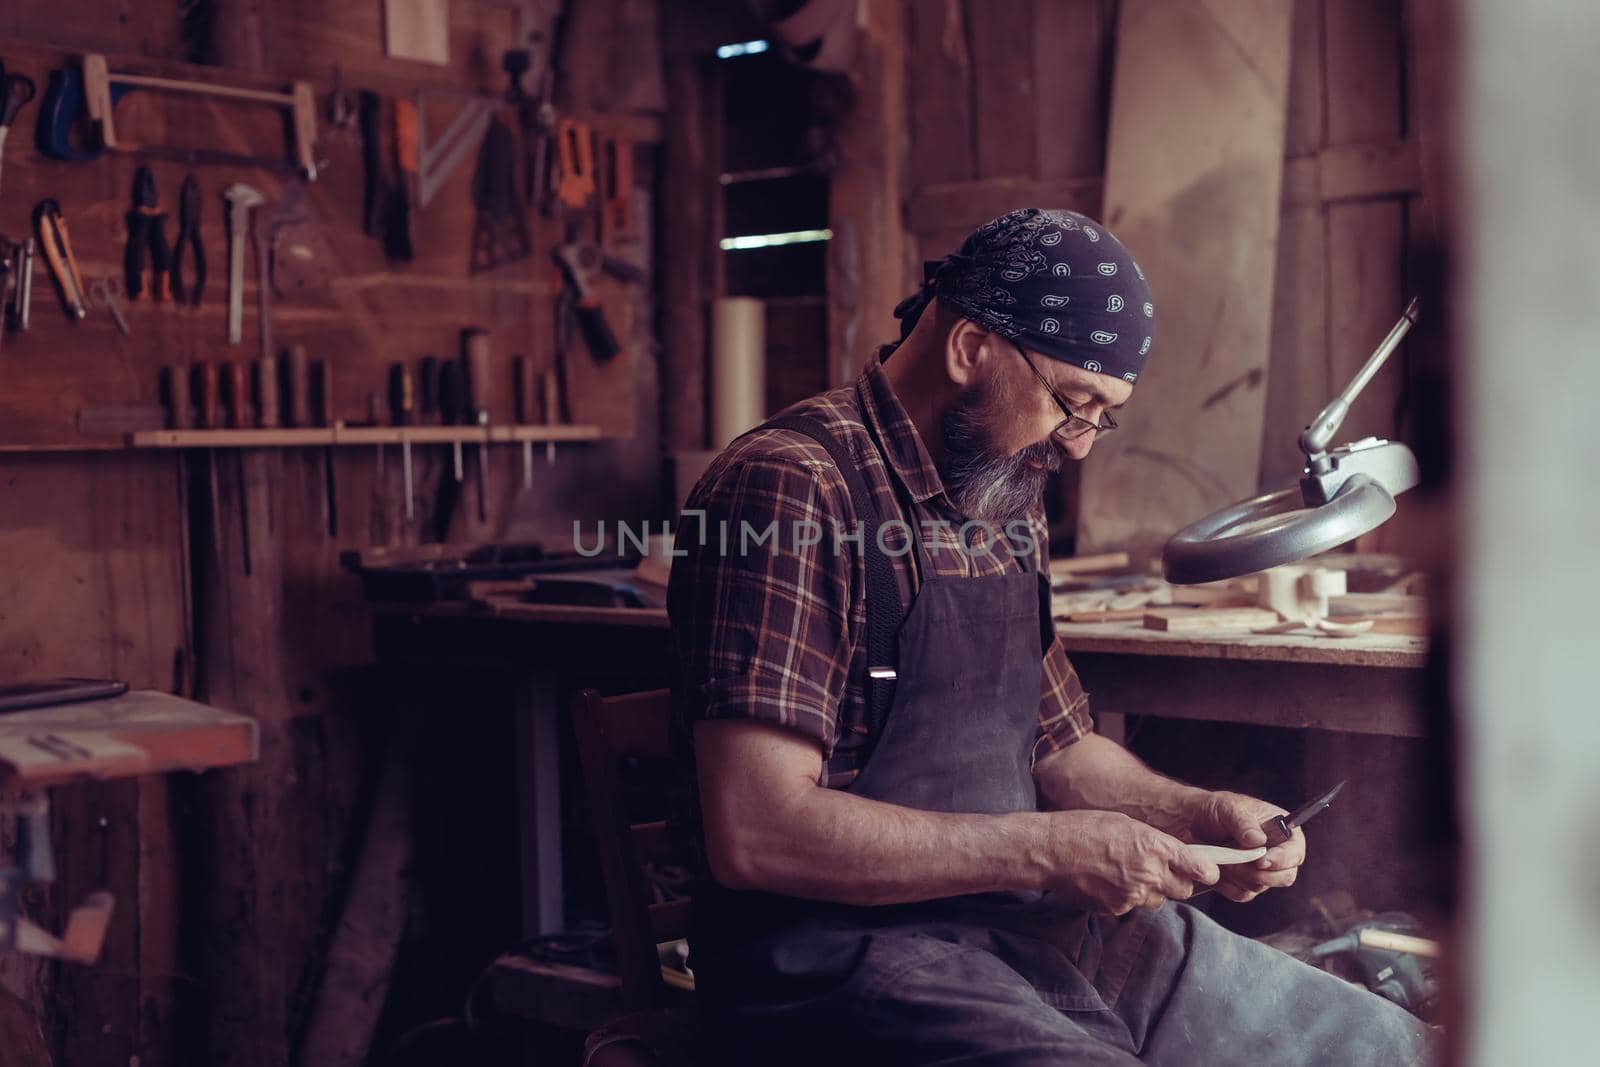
[(1315, 437)]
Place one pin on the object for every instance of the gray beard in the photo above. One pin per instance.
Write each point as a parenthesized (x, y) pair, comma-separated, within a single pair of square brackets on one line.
[(984, 482)]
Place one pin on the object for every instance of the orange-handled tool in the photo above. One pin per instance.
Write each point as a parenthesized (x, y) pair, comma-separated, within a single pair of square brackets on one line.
[(57, 246), (575, 185)]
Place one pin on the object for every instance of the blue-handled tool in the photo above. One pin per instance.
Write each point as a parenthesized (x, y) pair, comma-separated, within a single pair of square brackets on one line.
[(62, 108)]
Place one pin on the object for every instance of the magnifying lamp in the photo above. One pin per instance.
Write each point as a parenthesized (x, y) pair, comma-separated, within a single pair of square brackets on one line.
[(1344, 493)]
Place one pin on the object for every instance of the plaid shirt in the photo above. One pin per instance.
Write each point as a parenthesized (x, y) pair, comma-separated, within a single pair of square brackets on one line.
[(776, 632)]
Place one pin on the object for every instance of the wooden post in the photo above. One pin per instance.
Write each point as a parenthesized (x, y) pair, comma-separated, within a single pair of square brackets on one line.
[(1193, 176), (867, 259)]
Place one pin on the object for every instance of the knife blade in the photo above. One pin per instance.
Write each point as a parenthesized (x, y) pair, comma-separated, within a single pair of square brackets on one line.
[(1280, 828)]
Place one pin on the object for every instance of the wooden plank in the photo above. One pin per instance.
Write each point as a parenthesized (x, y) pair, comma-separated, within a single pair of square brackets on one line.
[(1366, 240), (563, 613), (1364, 650), (367, 939), (1357, 171), (939, 80), (1193, 181), (1414, 625), (140, 732), (1199, 620), (1298, 383), (1004, 102), (362, 436), (1366, 292), (1363, 51), (1371, 603), (1072, 49), (1123, 615), (1353, 699), (1068, 566), (964, 206), (1213, 596), (1372, 169), (1305, 130)]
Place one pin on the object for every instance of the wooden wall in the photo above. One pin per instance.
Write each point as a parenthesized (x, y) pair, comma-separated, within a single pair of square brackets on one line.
[(1007, 105), (993, 126), (110, 564), (1352, 216), (1007, 109)]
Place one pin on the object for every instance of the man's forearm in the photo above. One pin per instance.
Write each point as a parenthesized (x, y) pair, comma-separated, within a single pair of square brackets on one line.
[(853, 850), (1097, 773)]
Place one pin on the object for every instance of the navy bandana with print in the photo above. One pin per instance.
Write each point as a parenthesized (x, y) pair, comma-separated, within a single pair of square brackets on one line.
[(1055, 282)]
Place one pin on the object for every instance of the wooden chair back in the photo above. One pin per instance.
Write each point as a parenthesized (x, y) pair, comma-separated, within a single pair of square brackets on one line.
[(610, 730)]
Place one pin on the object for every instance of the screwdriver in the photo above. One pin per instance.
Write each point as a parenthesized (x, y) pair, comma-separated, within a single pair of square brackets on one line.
[(236, 393), (297, 407), (452, 411), (330, 497), (205, 381), (402, 401), (478, 353), (524, 387), (267, 392), (177, 382), (236, 387), (453, 405)]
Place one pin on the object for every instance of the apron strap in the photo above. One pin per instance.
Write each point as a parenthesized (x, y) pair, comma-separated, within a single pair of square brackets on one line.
[(885, 610)]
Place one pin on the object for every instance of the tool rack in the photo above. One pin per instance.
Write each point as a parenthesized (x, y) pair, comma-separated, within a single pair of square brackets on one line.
[(340, 434), (81, 386)]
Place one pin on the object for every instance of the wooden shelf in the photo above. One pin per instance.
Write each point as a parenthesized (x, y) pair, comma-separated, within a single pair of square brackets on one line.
[(340, 435)]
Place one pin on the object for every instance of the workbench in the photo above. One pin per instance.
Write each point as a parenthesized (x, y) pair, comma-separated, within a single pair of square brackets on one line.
[(1368, 684)]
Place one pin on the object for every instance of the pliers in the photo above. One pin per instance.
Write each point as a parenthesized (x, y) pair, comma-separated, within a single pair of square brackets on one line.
[(189, 234), (146, 236)]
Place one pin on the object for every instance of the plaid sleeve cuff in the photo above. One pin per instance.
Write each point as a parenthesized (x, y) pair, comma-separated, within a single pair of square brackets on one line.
[(793, 704)]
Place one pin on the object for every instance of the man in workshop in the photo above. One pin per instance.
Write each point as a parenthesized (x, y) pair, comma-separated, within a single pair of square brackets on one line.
[(915, 848)]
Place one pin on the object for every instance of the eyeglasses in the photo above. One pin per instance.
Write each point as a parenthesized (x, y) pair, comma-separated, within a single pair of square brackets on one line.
[(1073, 426)]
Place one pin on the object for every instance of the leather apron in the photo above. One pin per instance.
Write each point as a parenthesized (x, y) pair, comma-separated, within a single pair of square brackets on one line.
[(957, 736)]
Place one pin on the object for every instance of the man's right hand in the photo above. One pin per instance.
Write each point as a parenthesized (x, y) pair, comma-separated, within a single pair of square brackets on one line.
[(1108, 863)]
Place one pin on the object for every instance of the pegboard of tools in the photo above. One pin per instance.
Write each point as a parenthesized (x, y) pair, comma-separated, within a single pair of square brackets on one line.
[(308, 271)]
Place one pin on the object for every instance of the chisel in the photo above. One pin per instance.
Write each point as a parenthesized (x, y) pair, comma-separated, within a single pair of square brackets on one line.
[(478, 353), (297, 402), (209, 406), (236, 386), (330, 488)]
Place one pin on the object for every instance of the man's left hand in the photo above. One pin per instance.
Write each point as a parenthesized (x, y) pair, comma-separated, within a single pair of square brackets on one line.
[(1234, 819)]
